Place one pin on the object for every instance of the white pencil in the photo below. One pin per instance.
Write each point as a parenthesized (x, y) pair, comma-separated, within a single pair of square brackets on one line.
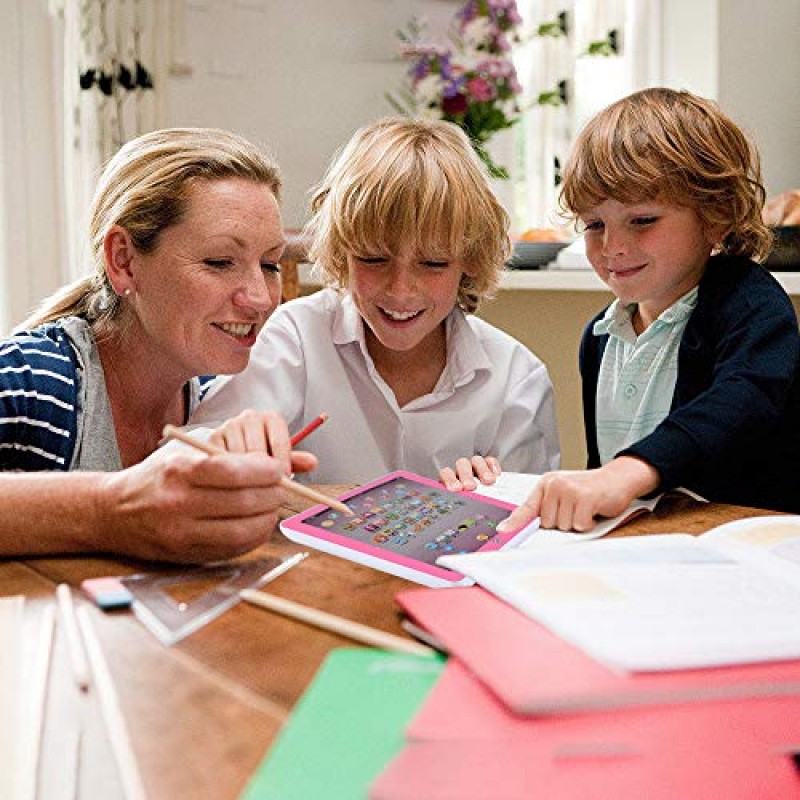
[(330, 622), (77, 658), (132, 787), (31, 742)]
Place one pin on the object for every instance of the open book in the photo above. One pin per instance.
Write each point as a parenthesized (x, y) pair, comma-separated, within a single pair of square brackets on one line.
[(661, 602), (514, 487)]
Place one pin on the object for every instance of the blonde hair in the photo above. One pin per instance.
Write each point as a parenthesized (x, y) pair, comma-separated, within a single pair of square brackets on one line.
[(399, 181), (144, 188), (677, 148)]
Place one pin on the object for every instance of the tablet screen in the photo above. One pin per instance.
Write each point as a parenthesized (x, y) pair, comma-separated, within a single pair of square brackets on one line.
[(414, 520)]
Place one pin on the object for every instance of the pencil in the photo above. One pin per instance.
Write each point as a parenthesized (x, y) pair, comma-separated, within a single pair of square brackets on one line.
[(35, 708), (334, 624), (132, 787), (77, 659), (310, 428), (171, 432)]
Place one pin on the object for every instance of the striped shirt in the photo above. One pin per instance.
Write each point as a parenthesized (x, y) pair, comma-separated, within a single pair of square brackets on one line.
[(637, 375), (49, 393), (39, 383)]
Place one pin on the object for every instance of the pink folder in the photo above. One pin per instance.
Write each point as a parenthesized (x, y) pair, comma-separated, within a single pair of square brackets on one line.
[(533, 671), (460, 708), (519, 770)]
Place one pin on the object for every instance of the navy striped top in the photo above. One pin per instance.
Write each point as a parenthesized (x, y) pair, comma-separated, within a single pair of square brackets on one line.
[(39, 383)]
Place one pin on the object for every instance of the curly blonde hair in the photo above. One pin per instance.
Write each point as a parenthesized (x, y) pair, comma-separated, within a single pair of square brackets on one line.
[(399, 181), (678, 148)]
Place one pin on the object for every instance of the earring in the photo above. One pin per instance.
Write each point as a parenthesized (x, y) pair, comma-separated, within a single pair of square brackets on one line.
[(127, 293)]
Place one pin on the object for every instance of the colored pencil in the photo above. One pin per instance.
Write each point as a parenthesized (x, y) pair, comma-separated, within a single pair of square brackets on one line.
[(310, 428)]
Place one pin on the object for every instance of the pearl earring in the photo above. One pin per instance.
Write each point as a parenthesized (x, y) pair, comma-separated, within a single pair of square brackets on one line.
[(127, 293)]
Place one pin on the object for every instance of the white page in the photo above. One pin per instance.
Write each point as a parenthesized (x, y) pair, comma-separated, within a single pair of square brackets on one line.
[(770, 542), (514, 487), (648, 603)]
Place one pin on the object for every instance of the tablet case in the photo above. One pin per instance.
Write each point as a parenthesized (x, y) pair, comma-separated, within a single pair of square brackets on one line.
[(403, 510)]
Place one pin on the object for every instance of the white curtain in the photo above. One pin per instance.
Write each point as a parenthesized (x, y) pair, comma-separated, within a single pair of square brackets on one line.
[(31, 224), (608, 49), (116, 57), (547, 76)]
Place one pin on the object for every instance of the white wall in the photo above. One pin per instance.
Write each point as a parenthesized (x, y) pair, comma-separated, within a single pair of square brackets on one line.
[(689, 45), (759, 81), (298, 76)]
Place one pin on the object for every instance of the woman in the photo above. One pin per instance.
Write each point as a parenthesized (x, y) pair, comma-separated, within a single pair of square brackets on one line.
[(186, 236)]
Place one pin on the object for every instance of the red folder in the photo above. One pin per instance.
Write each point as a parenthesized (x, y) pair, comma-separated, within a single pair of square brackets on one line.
[(533, 671)]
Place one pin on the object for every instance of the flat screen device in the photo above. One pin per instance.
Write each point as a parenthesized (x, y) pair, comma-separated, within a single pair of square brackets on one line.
[(402, 523)]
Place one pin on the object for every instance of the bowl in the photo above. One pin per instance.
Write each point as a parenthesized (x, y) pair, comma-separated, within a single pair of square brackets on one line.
[(534, 255)]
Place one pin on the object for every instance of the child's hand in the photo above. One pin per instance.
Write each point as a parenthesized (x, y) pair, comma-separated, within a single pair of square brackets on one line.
[(463, 476), (571, 499)]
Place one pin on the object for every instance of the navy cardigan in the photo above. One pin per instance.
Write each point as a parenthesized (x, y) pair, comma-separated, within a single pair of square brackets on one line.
[(733, 431)]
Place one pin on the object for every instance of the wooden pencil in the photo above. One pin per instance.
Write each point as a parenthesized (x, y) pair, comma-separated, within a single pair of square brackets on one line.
[(35, 710), (132, 786), (334, 624), (171, 432), (77, 659)]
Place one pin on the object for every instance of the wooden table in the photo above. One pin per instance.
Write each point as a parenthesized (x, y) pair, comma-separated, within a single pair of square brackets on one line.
[(202, 713)]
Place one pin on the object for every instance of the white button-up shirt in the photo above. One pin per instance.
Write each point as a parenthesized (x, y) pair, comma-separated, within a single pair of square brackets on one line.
[(494, 397)]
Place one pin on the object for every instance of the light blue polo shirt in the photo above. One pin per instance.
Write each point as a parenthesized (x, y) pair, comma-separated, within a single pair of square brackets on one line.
[(637, 375)]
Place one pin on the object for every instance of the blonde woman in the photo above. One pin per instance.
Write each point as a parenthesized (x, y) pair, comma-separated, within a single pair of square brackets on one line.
[(410, 239), (186, 235)]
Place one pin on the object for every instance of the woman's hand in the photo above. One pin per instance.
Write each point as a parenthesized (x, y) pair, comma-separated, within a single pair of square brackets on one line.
[(184, 506), (466, 469), (571, 499), (262, 432)]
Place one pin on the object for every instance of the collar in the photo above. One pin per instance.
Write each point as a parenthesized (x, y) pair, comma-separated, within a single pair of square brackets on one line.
[(618, 319)]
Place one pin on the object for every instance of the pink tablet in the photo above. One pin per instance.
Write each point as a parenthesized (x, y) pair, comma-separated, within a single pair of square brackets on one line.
[(402, 524)]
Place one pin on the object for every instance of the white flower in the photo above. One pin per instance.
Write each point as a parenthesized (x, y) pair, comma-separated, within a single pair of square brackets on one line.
[(431, 112), (477, 32), (429, 89), (469, 59)]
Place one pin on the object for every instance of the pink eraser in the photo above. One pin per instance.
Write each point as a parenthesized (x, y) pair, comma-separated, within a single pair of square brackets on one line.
[(107, 593)]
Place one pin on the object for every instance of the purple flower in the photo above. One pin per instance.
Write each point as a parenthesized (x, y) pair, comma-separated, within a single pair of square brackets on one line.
[(473, 81)]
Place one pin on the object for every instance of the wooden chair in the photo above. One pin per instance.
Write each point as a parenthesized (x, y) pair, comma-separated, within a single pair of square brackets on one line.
[(296, 253)]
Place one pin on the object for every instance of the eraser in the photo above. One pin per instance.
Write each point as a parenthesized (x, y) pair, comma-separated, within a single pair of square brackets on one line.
[(107, 593)]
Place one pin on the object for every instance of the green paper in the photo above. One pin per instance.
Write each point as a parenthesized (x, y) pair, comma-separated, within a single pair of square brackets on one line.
[(347, 726)]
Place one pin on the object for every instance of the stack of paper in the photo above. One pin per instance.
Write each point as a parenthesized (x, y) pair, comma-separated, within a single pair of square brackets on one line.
[(643, 603), (520, 713)]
